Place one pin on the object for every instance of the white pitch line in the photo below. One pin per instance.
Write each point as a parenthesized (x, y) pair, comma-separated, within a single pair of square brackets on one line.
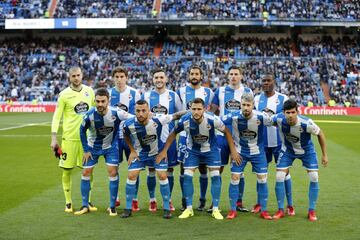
[(24, 125), (25, 135), (335, 121)]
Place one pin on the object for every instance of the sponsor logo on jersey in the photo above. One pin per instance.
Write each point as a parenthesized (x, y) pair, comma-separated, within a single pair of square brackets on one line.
[(200, 139), (104, 131), (232, 105), (188, 105), (81, 108), (159, 109), (170, 98), (147, 140), (291, 138), (122, 107), (268, 111), (248, 135)]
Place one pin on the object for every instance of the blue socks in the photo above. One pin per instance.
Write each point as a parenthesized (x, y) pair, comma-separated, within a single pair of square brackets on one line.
[(188, 189), (215, 187), (280, 194), (130, 192), (234, 194), (85, 189), (263, 193), (241, 189), (313, 194), (113, 189), (288, 189), (170, 177), (137, 187), (151, 184), (165, 193), (203, 185)]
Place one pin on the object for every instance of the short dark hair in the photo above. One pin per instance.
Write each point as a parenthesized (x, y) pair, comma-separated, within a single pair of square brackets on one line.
[(142, 102), (156, 70), (268, 74), (196, 67), (102, 92), (290, 104), (198, 100), (119, 70), (235, 68)]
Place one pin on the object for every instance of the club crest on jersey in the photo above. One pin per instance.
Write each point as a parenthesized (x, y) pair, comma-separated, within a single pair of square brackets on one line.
[(86, 94), (159, 109), (258, 122), (81, 108), (188, 105), (233, 105), (170, 98), (248, 135), (155, 125), (123, 107), (291, 138), (268, 111), (130, 97), (200, 139), (208, 126)]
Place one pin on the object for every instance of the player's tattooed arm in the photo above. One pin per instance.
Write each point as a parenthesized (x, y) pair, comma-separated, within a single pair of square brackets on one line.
[(163, 154), (178, 115), (133, 154), (234, 154)]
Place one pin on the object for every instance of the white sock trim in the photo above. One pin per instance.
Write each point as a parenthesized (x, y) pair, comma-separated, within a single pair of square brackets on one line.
[(130, 182), (86, 178), (314, 176), (280, 176), (214, 173), (288, 177), (235, 182), (112, 179), (164, 182), (189, 172)]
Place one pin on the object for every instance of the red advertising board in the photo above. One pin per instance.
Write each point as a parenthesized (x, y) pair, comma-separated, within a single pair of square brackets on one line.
[(329, 110), (50, 107), (27, 107)]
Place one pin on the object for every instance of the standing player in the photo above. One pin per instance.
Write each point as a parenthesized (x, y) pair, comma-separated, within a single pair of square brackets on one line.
[(201, 148), (271, 102), (102, 124), (162, 101), (187, 94), (248, 128), (226, 100), (124, 97), (145, 137), (73, 103), (296, 131)]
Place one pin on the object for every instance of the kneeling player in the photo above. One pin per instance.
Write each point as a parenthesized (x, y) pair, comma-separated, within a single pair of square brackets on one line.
[(201, 149), (143, 134), (103, 124), (296, 133)]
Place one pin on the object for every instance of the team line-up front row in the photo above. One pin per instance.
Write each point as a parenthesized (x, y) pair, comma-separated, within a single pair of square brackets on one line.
[(206, 141)]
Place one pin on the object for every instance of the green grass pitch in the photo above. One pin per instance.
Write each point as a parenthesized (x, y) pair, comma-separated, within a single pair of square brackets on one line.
[(32, 202)]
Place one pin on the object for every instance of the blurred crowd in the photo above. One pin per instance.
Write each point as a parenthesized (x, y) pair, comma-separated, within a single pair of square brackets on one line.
[(199, 9), (37, 69)]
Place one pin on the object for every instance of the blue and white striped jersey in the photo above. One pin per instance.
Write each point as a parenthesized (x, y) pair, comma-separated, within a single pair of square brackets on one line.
[(103, 130), (229, 99), (248, 134), (296, 139), (124, 100), (272, 105), (187, 94), (166, 103), (148, 140), (200, 137)]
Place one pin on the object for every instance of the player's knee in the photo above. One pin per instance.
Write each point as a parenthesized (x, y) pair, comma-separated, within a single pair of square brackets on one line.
[(132, 176), (162, 175), (280, 176), (241, 175), (189, 172), (235, 177), (314, 176), (170, 170), (262, 178), (202, 169), (87, 172), (214, 173)]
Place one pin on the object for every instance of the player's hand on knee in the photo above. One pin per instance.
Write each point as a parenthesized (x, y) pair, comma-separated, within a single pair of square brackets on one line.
[(236, 157), (86, 157), (162, 155), (324, 160), (133, 156)]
